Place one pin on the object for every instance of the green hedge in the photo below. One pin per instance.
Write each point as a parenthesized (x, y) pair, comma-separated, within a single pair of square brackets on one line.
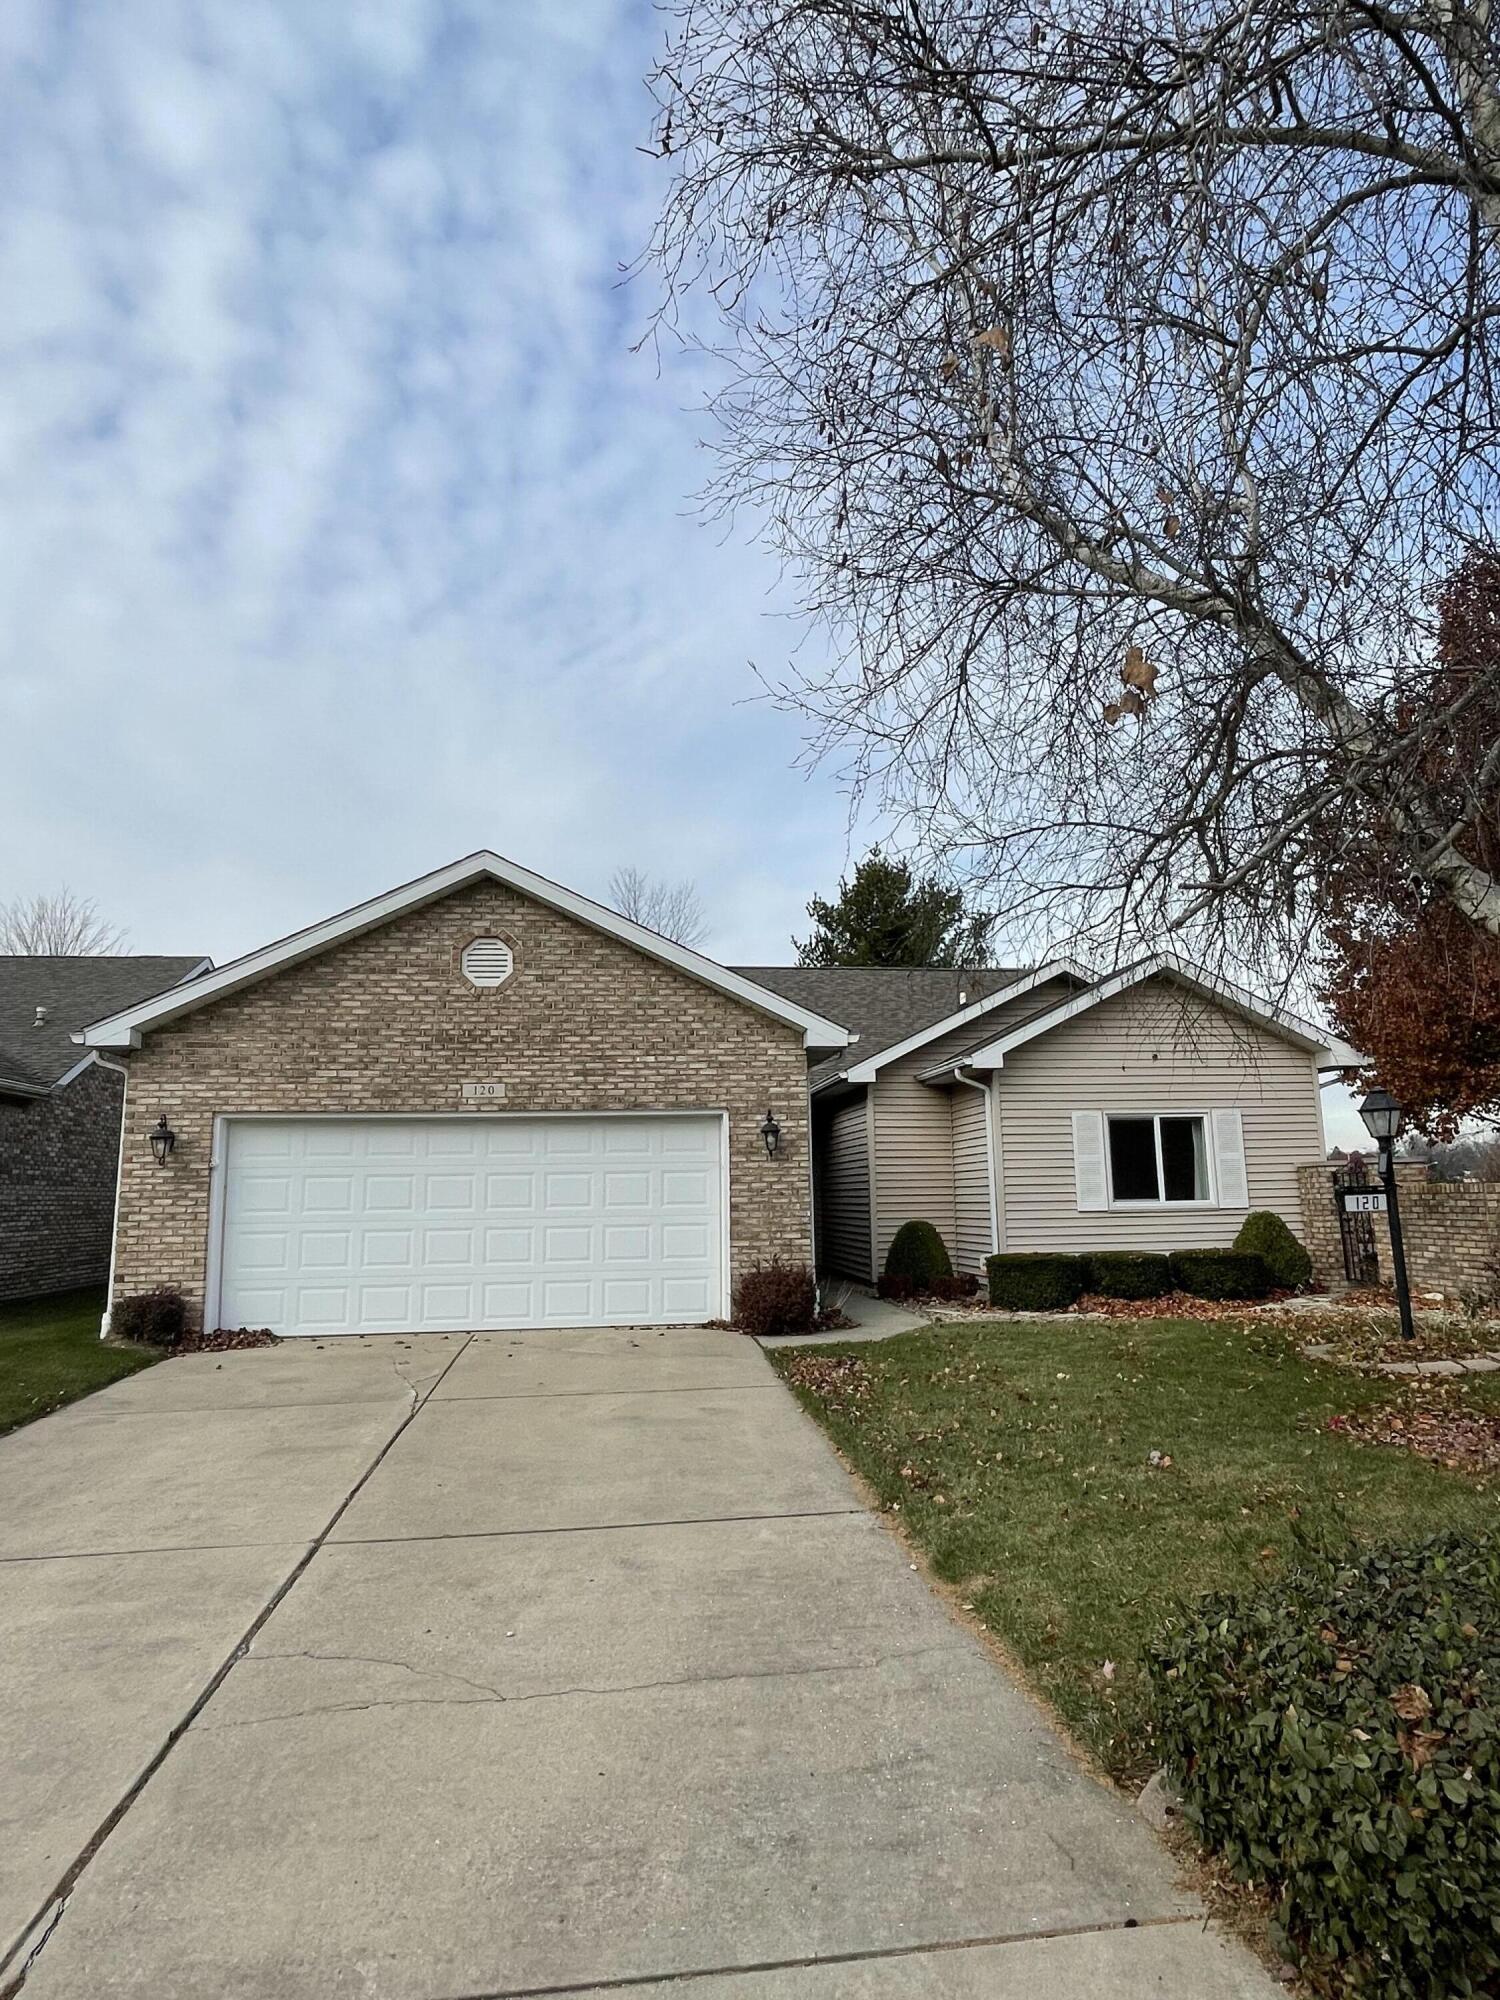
[(1035, 1281), (919, 1254), (1265, 1235), (1220, 1274), (1336, 1736), (1128, 1274)]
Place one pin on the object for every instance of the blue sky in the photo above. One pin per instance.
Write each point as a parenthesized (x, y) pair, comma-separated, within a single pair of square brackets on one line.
[(344, 530)]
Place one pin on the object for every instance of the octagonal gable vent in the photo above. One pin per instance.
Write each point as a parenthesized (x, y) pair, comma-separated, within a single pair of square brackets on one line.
[(487, 962)]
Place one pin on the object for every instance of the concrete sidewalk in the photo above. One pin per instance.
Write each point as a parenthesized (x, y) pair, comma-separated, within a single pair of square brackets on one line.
[(454, 1669)]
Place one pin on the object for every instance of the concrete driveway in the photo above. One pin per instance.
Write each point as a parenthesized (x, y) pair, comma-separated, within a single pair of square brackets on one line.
[(459, 1668)]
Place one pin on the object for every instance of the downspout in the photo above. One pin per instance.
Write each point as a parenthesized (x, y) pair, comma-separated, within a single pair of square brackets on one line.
[(117, 1069), (963, 1074)]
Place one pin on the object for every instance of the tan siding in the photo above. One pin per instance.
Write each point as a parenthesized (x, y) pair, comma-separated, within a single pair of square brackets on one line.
[(1151, 1049), (914, 1176), (972, 1213), (844, 1191)]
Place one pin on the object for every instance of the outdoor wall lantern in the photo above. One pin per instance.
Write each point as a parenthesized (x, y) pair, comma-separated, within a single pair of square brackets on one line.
[(770, 1131), (1382, 1117), (163, 1139)]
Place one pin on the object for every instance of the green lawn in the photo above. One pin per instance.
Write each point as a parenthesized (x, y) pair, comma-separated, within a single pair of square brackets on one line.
[(1018, 1457), (51, 1353)]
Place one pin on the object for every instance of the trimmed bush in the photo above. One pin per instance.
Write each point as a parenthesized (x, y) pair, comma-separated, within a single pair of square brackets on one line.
[(919, 1253), (962, 1285), (776, 1298), (891, 1285), (1220, 1274), (1336, 1735), (1035, 1281), (158, 1318), (1265, 1235), (1128, 1274)]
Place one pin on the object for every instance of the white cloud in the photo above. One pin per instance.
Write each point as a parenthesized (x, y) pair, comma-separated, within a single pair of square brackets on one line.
[(344, 530)]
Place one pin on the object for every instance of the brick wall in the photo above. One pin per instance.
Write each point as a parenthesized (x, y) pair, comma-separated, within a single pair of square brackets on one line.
[(57, 1186), (1451, 1230), (386, 1022)]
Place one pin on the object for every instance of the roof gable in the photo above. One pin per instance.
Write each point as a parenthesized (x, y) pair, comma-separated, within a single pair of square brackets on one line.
[(1328, 1051), (125, 1029)]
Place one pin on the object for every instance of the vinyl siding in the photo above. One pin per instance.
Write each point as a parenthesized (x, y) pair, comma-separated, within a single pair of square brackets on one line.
[(1149, 1050), (914, 1170), (972, 1215), (843, 1160)]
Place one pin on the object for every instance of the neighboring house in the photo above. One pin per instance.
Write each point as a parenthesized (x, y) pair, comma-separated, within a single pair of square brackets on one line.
[(1055, 1109), (478, 1101), (483, 1101), (60, 1115)]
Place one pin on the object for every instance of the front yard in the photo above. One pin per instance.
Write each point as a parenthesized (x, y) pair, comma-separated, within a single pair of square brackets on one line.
[(51, 1353), (1020, 1458)]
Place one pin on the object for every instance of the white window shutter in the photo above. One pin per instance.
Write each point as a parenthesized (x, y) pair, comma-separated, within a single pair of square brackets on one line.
[(1088, 1159), (1230, 1181)]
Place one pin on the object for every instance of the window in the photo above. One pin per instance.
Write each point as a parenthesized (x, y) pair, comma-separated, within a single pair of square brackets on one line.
[(1158, 1159)]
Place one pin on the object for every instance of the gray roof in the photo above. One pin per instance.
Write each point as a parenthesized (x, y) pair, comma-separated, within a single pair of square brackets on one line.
[(881, 1004), (74, 993)]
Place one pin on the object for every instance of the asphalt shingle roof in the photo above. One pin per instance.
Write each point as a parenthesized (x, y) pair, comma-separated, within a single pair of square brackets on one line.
[(881, 1004), (74, 993)]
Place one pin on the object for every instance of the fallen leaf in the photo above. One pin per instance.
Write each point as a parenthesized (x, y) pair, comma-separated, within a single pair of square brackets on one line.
[(1412, 1702)]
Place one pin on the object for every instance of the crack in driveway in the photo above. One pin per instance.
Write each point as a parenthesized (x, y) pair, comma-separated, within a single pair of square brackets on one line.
[(486, 1695)]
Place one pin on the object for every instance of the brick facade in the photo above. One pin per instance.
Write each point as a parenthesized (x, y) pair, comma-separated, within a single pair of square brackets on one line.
[(57, 1186), (1451, 1230), (387, 1023)]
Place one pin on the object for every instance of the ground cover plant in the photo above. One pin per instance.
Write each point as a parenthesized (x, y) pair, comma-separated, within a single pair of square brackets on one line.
[(51, 1353), (1077, 1482)]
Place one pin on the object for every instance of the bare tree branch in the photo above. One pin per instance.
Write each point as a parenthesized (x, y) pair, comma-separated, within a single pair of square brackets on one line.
[(672, 909), (57, 926)]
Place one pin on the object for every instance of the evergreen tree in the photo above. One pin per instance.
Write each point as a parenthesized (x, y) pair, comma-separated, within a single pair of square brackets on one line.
[(886, 916)]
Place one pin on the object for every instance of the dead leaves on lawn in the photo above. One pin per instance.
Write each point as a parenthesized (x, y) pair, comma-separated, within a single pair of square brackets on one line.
[(1433, 1423)]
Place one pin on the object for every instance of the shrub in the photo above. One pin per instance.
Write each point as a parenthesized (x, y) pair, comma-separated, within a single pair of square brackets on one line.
[(891, 1285), (1128, 1274), (1265, 1235), (1220, 1274), (962, 1285), (776, 1298), (1035, 1281), (919, 1253), (158, 1318), (1336, 1735)]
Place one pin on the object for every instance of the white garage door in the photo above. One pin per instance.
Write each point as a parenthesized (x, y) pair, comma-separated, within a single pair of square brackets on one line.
[(374, 1225)]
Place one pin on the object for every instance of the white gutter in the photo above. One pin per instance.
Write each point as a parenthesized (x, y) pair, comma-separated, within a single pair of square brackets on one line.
[(973, 1082), (119, 1070)]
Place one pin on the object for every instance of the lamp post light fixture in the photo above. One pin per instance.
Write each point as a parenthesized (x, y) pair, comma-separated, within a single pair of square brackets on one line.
[(770, 1131), (163, 1139), (1382, 1118)]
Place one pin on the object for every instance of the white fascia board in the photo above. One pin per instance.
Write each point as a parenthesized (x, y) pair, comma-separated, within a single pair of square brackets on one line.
[(1330, 1053), (124, 1030), (866, 1072)]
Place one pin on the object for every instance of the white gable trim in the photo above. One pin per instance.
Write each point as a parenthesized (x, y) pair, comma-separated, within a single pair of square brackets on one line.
[(124, 1030), (866, 1071), (1328, 1050)]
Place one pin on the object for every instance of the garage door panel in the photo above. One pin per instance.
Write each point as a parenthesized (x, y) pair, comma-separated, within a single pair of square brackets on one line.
[(566, 1222)]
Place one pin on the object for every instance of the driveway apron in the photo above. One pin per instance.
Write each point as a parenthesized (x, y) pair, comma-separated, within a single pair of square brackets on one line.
[(459, 1668)]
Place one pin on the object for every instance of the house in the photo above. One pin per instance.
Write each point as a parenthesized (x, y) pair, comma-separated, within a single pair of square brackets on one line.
[(477, 1101), (1055, 1108), (482, 1100), (60, 1115)]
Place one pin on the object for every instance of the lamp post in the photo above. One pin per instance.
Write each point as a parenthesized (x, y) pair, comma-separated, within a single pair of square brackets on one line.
[(1382, 1117)]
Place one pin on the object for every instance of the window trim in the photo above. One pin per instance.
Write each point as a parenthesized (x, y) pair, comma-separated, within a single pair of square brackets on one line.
[(1138, 1204)]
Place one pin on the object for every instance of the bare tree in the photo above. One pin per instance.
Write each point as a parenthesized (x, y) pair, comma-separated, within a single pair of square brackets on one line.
[(61, 925), (1117, 381), (671, 909)]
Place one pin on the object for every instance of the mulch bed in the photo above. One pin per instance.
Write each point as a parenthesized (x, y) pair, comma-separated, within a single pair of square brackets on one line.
[(1175, 1305), (226, 1338), (1435, 1425)]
